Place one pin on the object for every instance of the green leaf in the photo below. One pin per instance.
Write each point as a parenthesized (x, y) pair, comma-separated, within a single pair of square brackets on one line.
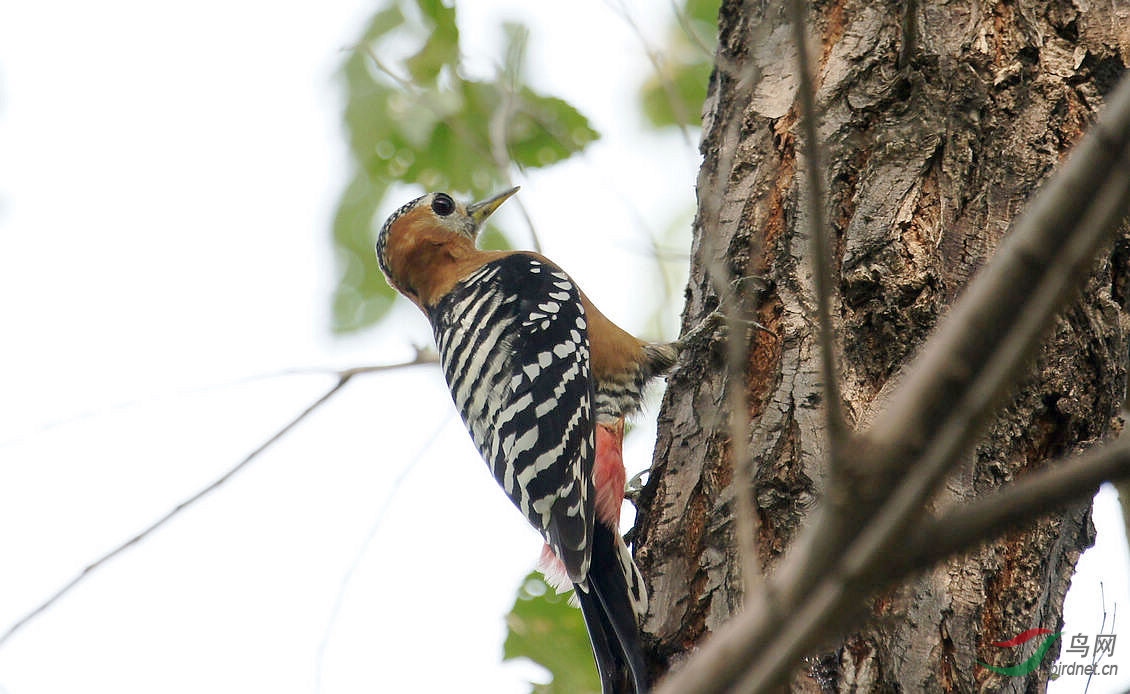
[(382, 22), (703, 11), (491, 239), (362, 296), (677, 97), (451, 160), (442, 47), (543, 627), (421, 122), (674, 97), (544, 130)]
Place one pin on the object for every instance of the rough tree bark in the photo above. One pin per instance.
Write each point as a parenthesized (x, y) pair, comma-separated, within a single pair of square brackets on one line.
[(938, 122)]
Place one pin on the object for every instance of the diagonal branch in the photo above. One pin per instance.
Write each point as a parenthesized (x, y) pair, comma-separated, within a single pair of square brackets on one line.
[(1035, 495), (931, 419), (343, 377), (839, 601)]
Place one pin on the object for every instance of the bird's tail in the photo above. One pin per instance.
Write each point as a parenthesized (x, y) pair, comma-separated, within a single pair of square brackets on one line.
[(611, 598)]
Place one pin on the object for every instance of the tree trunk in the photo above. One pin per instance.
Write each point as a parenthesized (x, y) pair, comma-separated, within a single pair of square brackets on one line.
[(938, 122)]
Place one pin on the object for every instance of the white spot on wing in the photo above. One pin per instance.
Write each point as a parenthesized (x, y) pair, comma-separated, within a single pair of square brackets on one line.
[(564, 349)]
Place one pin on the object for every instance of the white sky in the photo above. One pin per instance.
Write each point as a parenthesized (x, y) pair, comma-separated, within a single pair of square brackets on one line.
[(167, 181)]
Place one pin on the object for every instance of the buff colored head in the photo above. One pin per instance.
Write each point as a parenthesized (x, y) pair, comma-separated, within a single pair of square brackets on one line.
[(427, 242), (434, 211)]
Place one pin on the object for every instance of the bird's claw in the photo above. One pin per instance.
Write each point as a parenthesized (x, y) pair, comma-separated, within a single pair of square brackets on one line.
[(635, 485)]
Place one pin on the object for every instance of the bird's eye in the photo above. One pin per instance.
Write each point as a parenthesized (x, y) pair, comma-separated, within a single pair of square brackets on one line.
[(442, 204)]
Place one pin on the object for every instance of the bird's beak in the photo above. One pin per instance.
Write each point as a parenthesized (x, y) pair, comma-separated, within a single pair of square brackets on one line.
[(479, 211)]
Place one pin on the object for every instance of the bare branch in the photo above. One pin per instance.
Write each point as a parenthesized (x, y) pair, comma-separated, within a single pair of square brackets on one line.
[(403, 82), (931, 418), (424, 355), (817, 232), (1035, 495), (344, 377), (839, 600), (1041, 263), (378, 521), (736, 306)]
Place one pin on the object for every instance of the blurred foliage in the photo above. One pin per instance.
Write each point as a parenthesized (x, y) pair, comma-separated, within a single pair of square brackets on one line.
[(415, 119), (674, 93), (543, 627)]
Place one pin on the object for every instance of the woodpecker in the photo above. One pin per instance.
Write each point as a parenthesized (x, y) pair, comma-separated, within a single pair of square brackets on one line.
[(543, 381)]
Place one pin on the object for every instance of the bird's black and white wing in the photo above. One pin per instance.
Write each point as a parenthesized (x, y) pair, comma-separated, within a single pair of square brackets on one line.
[(513, 344)]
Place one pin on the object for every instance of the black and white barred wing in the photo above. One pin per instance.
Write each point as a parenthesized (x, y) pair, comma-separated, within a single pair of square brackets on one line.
[(514, 347)]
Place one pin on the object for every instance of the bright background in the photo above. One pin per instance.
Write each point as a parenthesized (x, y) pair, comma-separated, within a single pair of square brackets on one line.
[(167, 182)]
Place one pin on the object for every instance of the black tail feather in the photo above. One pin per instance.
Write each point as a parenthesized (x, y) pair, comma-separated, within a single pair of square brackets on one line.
[(609, 662), (611, 621)]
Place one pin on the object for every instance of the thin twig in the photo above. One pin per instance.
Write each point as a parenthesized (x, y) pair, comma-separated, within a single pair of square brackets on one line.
[(1037, 494), (656, 59), (344, 377), (378, 521), (422, 97), (499, 130), (403, 82), (688, 28), (423, 355), (818, 231), (499, 134)]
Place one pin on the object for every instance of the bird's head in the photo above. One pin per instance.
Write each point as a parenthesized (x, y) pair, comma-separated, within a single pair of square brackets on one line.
[(431, 220)]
